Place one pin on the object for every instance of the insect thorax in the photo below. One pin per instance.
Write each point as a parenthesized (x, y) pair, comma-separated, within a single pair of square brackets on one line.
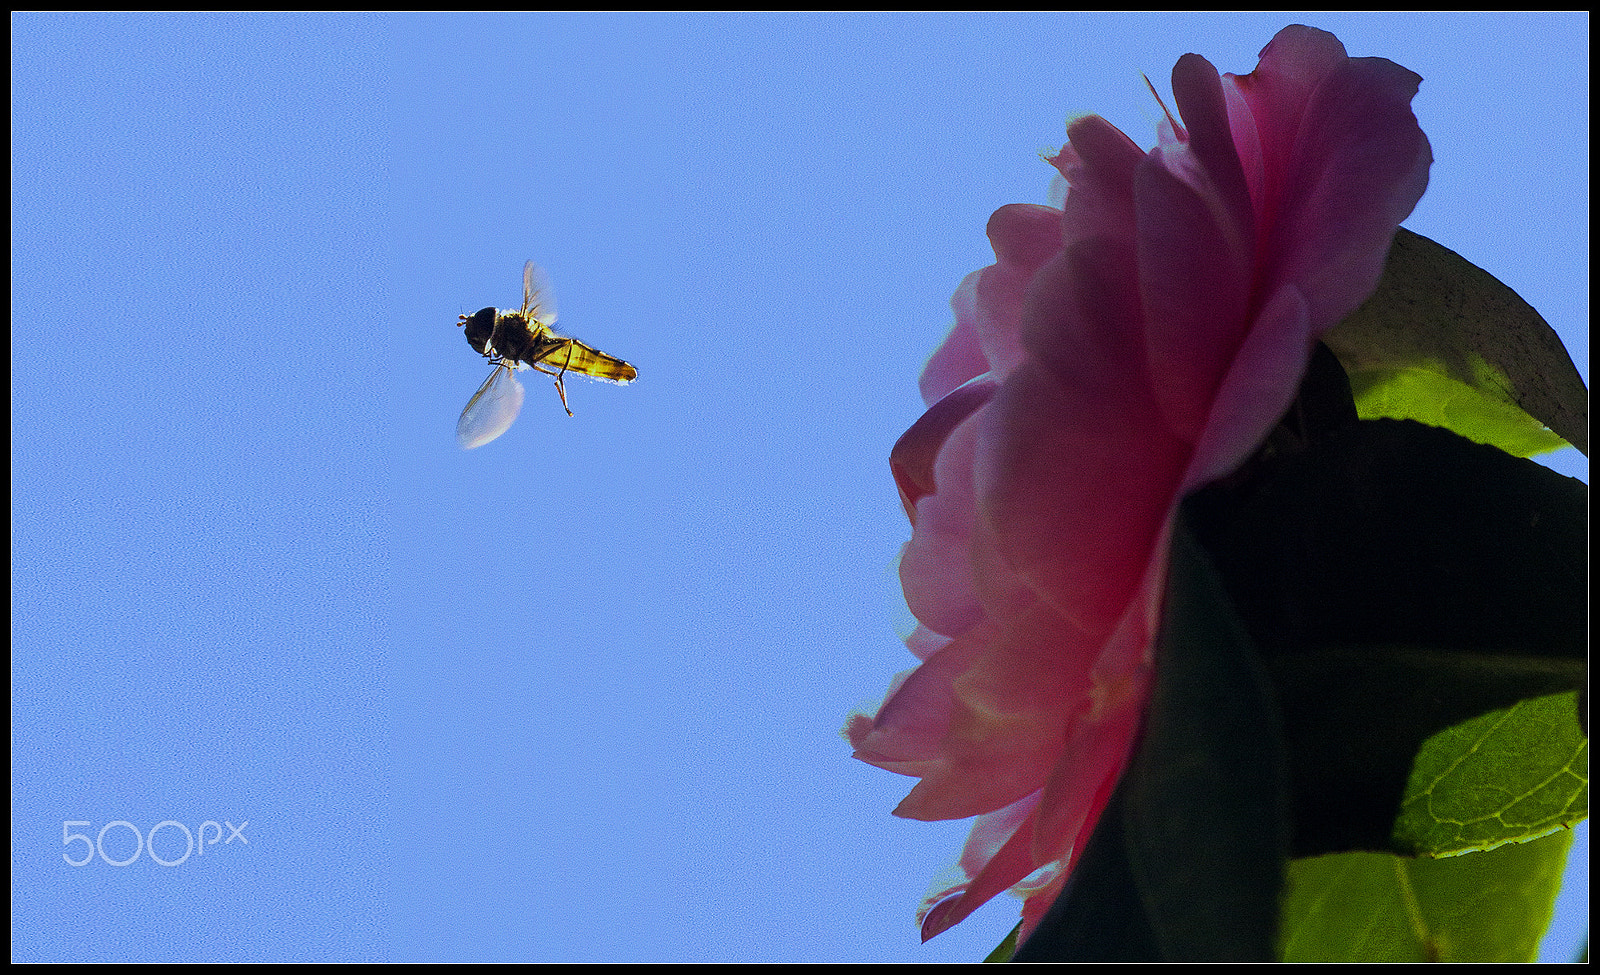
[(514, 336)]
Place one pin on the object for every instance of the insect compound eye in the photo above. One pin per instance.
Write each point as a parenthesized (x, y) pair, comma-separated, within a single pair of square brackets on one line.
[(479, 327)]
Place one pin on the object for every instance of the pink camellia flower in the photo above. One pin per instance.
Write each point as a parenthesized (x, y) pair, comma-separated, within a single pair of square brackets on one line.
[(1122, 351)]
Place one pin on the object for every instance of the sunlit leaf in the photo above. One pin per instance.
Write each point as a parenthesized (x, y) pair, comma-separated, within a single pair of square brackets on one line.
[(1443, 401), (1435, 312), (1508, 775), (1357, 721), (1482, 907)]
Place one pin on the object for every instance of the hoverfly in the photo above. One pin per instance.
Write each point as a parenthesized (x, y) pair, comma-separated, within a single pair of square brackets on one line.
[(522, 340)]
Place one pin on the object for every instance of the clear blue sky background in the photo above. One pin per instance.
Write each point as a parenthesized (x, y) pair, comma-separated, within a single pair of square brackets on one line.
[(574, 695)]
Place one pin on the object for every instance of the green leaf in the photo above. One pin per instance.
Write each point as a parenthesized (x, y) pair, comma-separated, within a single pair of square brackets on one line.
[(1508, 775), (1442, 401), (1481, 907), (1443, 342), (1402, 580), (1373, 732)]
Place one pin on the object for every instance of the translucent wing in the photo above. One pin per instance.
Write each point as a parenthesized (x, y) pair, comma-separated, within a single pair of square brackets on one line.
[(491, 410), (538, 298)]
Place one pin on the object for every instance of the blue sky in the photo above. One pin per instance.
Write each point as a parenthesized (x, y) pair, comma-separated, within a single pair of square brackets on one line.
[(574, 695)]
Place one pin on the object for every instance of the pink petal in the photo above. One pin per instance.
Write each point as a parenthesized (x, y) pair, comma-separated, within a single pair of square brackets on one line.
[(1139, 342), (1008, 712)]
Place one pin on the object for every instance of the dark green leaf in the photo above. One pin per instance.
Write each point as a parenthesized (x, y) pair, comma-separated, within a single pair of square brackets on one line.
[(1369, 729), (1402, 580), (1396, 533)]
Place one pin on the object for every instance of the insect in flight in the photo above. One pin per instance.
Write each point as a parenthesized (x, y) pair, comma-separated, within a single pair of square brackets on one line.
[(513, 340)]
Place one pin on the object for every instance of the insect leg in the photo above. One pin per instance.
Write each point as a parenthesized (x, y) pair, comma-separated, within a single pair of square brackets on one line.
[(540, 364), (561, 386)]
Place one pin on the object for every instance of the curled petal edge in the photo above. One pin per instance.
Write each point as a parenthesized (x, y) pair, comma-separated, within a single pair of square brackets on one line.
[(912, 459)]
